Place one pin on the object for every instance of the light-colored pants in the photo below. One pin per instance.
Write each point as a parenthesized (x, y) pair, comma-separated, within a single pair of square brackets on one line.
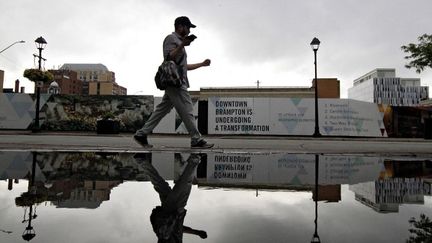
[(173, 198), (180, 99)]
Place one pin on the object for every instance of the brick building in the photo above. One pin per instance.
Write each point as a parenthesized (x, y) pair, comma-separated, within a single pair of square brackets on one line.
[(67, 81), (97, 79), (327, 88)]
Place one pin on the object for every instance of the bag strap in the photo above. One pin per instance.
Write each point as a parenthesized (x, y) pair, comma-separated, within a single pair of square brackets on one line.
[(167, 59), (168, 55)]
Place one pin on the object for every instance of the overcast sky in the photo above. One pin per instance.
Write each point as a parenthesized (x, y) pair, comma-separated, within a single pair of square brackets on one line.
[(247, 40)]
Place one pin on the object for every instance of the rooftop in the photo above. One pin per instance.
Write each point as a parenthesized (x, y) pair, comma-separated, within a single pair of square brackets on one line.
[(84, 67), (254, 87)]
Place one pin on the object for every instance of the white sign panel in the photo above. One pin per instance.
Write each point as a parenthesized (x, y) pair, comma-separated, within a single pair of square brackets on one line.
[(167, 124), (172, 123), (294, 116)]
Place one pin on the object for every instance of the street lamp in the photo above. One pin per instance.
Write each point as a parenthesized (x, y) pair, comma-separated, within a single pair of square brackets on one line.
[(16, 42), (29, 232), (40, 45), (315, 237), (315, 45)]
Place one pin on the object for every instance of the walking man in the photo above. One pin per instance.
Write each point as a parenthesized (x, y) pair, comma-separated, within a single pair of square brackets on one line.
[(179, 98)]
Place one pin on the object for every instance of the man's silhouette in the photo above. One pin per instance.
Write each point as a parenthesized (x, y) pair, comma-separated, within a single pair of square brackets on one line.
[(167, 219)]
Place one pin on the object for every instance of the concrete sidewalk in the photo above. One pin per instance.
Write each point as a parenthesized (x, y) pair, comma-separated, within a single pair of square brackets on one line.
[(49, 141)]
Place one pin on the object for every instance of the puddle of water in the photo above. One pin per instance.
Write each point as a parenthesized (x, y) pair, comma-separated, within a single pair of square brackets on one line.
[(235, 197)]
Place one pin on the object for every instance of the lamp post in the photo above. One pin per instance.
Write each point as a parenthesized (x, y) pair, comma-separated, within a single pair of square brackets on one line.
[(29, 232), (315, 237), (315, 45), (16, 42), (40, 45)]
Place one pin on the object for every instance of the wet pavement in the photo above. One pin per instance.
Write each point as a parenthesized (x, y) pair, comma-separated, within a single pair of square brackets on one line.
[(226, 144), (54, 194)]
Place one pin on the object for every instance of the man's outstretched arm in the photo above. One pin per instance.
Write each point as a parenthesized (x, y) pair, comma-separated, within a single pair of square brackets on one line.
[(205, 63), (200, 233)]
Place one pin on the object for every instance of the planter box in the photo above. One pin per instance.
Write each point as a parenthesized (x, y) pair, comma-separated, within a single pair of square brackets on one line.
[(107, 126)]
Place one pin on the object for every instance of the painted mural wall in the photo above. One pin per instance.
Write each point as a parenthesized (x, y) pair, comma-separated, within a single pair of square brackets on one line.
[(80, 113), (17, 111), (222, 115), (74, 112)]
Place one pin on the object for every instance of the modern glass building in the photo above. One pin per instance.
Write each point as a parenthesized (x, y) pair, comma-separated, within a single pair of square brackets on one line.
[(381, 86)]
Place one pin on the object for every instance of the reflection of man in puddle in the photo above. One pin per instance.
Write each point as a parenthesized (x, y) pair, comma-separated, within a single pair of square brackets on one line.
[(167, 219)]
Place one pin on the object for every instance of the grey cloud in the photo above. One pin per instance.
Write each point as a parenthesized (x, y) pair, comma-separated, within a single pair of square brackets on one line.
[(356, 36)]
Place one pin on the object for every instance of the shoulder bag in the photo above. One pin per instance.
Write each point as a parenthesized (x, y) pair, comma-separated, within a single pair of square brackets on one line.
[(168, 74)]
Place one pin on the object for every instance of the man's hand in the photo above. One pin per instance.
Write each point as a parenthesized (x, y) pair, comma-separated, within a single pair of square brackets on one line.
[(186, 42), (202, 234), (206, 63)]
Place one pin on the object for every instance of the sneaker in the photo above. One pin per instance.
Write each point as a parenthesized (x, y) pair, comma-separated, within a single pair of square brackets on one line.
[(202, 144), (142, 140)]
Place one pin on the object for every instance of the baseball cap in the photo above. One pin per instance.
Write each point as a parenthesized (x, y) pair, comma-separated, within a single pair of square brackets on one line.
[(183, 20)]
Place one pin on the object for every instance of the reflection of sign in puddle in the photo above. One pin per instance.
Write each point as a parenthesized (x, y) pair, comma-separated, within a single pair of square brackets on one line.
[(280, 169)]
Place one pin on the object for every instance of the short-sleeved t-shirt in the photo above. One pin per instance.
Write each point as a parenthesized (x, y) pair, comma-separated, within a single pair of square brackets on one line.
[(170, 43)]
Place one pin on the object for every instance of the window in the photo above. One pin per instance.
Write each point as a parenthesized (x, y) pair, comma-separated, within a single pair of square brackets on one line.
[(98, 89)]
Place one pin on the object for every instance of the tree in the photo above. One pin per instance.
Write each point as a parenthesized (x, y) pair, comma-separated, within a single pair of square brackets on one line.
[(421, 230), (421, 53)]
